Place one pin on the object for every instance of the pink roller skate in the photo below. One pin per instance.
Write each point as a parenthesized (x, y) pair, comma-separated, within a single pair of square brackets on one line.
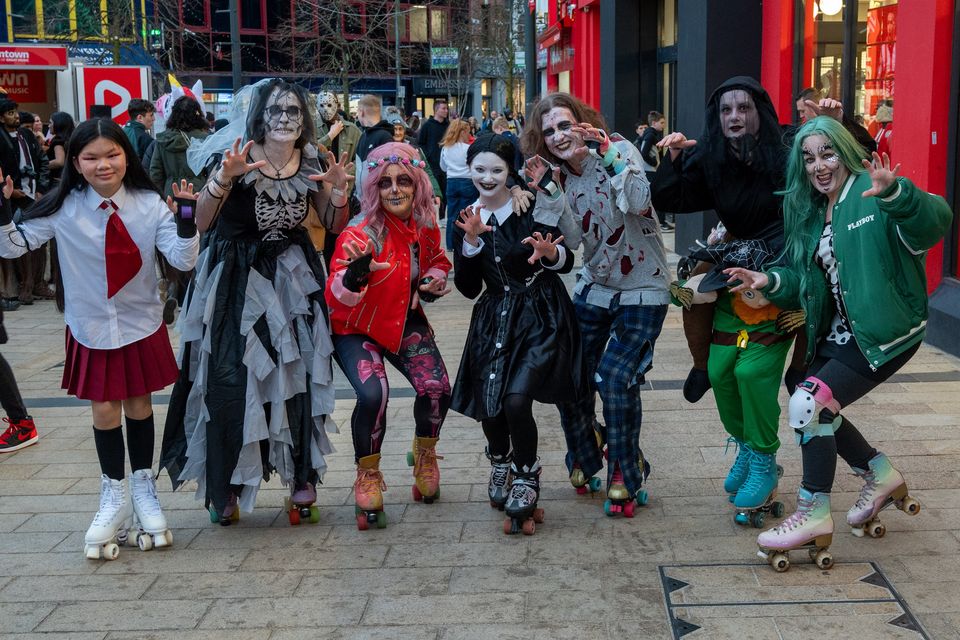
[(884, 486), (810, 528), (299, 506)]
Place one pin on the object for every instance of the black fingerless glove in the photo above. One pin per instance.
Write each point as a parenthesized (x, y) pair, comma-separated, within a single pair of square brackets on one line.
[(6, 211), (357, 274), (186, 227), (427, 296)]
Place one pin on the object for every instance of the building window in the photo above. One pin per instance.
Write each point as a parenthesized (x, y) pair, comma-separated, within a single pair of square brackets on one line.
[(195, 13), (251, 15), (417, 30), (57, 18), (24, 17), (353, 21), (305, 18), (440, 24)]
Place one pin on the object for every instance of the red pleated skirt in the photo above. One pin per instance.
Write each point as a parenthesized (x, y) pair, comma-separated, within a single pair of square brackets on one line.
[(137, 369)]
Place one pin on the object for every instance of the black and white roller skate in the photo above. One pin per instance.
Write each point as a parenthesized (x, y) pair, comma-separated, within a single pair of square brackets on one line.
[(521, 506), (498, 488)]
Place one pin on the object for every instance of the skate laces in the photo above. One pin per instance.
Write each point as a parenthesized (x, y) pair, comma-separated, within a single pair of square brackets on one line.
[(499, 474), (426, 467), (109, 503), (523, 490), (797, 518), (369, 480), (866, 492), (755, 480), (145, 495)]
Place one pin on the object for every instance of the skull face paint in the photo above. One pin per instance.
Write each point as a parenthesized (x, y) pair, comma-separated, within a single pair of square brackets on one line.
[(328, 105), (283, 117), (556, 125), (397, 189), (489, 174), (738, 114), (826, 172)]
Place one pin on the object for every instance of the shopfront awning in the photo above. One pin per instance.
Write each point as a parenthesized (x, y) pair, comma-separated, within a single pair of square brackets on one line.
[(13, 56), (549, 37)]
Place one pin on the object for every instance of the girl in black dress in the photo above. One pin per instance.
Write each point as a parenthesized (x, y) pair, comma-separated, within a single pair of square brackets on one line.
[(523, 343)]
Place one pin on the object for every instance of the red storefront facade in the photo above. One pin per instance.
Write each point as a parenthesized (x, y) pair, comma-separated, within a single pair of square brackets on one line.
[(572, 41)]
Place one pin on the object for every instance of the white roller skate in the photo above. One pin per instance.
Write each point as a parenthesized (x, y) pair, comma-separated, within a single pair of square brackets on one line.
[(883, 486), (150, 526), (109, 527)]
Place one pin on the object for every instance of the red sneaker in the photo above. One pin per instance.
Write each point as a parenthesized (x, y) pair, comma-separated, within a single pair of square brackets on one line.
[(18, 435)]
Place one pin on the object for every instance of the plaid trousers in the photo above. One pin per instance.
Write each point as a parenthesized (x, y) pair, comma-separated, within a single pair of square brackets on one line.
[(617, 348)]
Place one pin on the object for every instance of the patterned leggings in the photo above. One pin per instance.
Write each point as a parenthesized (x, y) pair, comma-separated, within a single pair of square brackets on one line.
[(418, 359)]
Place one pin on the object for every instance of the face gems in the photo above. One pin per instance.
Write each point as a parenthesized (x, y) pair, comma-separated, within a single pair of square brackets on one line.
[(824, 169)]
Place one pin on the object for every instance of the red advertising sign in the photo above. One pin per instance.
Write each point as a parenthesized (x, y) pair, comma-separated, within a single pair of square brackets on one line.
[(111, 86), (27, 57), (24, 86)]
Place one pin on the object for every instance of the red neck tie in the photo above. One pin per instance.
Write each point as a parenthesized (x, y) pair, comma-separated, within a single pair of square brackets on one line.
[(121, 253)]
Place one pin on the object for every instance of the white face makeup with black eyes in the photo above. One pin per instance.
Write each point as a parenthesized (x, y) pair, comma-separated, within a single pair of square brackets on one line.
[(283, 117), (489, 174), (826, 172), (328, 105), (397, 190), (738, 114), (556, 125)]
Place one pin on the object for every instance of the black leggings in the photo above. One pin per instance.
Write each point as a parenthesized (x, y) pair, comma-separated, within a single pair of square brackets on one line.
[(10, 397), (418, 359), (850, 378), (514, 424)]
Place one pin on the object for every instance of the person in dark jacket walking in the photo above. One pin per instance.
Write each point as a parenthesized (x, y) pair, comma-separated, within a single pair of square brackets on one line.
[(376, 132), (142, 114), (650, 155), (429, 139)]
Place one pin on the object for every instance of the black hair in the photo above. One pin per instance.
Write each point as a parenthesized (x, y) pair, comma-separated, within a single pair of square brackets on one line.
[(139, 107), (185, 115), (220, 123), (72, 180), (6, 104), (62, 124), (26, 119), (502, 147), (256, 126)]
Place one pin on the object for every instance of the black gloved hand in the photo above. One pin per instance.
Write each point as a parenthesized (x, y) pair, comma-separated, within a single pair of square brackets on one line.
[(427, 296), (186, 227), (357, 274), (6, 211)]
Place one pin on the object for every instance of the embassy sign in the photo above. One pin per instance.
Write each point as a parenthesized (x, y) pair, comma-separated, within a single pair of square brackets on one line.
[(30, 57), (432, 86)]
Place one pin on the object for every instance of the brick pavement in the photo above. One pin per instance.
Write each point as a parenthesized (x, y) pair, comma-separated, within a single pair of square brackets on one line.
[(446, 570)]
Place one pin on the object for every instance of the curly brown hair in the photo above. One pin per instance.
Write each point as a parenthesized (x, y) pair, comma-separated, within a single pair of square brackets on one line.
[(532, 142)]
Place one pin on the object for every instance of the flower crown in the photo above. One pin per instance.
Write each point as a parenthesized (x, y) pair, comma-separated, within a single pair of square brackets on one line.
[(395, 159)]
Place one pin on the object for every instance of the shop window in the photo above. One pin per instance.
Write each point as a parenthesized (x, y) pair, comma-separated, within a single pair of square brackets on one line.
[(353, 21), (194, 13), (24, 17)]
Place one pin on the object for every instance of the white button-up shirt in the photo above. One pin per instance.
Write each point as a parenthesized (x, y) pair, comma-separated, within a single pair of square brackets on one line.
[(79, 227)]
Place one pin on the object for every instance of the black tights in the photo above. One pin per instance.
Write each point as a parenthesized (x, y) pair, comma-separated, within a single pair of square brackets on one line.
[(418, 359), (849, 378), (514, 424), (10, 397)]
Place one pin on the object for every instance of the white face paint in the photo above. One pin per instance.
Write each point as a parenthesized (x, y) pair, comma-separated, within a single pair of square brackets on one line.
[(738, 114), (283, 117), (328, 105), (560, 140), (489, 174), (826, 172)]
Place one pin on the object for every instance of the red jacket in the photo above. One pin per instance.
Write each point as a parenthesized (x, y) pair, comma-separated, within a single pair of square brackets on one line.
[(380, 309)]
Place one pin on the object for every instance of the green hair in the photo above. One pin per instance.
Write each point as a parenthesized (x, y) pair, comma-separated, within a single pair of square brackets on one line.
[(802, 203)]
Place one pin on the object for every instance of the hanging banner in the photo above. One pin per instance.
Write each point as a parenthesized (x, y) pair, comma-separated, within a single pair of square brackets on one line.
[(113, 87)]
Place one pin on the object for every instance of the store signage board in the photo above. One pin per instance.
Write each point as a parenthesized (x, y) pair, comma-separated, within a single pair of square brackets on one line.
[(112, 86), (30, 57)]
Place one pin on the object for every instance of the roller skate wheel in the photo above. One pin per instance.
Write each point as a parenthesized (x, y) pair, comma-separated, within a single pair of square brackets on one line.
[(608, 508), (642, 497), (111, 551), (779, 471), (538, 516), (594, 484), (294, 516), (823, 559), (92, 551), (381, 520), (529, 527), (314, 514), (628, 509), (165, 540), (756, 519), (144, 541), (362, 523), (124, 538), (581, 490), (214, 516), (741, 518), (780, 562), (777, 509), (910, 506), (508, 526), (410, 459), (876, 529)]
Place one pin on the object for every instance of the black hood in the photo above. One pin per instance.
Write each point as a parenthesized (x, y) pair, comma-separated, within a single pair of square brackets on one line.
[(769, 153)]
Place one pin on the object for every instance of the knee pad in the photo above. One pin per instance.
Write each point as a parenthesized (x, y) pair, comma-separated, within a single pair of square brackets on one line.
[(817, 429), (807, 400)]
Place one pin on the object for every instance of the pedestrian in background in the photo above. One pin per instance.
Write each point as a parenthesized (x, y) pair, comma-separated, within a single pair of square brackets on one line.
[(142, 115), (429, 139), (650, 156), (453, 162)]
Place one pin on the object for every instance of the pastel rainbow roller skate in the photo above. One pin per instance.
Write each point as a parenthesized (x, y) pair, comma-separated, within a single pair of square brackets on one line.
[(498, 487), (231, 512), (426, 472), (108, 531), (368, 493), (883, 486), (300, 505), (150, 525), (523, 515), (757, 495), (810, 527)]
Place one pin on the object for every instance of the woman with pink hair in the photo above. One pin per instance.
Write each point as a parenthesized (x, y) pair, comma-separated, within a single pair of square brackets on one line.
[(383, 267)]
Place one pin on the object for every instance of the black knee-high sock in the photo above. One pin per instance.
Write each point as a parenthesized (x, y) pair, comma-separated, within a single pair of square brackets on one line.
[(819, 464), (498, 435), (518, 410), (852, 447), (110, 451), (140, 442)]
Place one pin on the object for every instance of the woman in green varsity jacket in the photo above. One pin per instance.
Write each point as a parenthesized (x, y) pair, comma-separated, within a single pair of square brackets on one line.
[(856, 240)]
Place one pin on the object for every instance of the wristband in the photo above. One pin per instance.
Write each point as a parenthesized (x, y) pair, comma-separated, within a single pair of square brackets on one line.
[(224, 187)]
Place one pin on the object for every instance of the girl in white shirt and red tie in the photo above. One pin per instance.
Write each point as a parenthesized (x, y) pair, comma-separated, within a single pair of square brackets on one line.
[(109, 220)]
